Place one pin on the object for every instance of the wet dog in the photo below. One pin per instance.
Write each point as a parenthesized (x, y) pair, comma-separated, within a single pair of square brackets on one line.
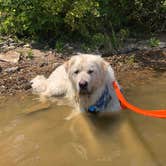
[(85, 79)]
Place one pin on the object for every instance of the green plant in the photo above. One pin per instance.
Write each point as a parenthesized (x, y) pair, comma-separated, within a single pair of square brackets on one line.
[(30, 54), (85, 48), (21, 53), (81, 19), (1, 40), (59, 46), (123, 35), (131, 59), (154, 42)]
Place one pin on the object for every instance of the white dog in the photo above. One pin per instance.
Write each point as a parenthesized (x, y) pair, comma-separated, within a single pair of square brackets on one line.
[(85, 79)]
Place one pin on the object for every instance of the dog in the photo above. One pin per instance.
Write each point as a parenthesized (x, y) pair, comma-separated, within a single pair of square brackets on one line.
[(85, 79)]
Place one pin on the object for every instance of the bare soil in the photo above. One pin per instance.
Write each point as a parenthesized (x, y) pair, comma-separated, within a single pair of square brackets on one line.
[(131, 67)]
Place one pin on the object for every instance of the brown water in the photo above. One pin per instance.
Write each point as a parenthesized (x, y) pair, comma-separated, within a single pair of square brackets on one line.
[(34, 134)]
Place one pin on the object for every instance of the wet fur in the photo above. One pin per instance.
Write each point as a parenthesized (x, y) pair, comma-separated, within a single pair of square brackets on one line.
[(63, 82)]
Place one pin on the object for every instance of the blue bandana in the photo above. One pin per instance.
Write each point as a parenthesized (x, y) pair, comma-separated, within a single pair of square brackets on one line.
[(102, 102)]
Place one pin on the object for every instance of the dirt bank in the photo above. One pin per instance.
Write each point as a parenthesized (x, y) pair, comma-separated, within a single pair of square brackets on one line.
[(135, 66)]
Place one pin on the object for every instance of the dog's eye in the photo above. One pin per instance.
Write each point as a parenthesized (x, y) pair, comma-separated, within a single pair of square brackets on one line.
[(90, 71), (76, 72)]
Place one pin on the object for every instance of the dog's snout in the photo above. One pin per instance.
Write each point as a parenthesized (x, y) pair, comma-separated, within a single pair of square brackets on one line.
[(83, 84)]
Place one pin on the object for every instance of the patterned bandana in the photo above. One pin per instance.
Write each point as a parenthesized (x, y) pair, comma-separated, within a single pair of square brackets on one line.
[(102, 102)]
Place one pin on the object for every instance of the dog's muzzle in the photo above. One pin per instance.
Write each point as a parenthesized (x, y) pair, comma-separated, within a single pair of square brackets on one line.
[(83, 87)]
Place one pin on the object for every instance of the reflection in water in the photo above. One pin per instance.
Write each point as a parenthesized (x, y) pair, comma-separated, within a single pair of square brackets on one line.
[(37, 134)]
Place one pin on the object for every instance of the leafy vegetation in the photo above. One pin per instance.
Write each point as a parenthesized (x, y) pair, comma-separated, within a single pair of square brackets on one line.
[(153, 42), (94, 22), (30, 54), (59, 46)]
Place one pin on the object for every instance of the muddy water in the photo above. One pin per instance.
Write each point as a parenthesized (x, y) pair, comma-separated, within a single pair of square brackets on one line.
[(37, 134)]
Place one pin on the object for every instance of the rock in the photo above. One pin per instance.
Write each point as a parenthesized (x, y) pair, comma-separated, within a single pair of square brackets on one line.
[(26, 86), (38, 53), (136, 66), (10, 40), (28, 52), (27, 46), (163, 53), (11, 69), (43, 64), (10, 56), (12, 47), (68, 47), (4, 47), (3, 43), (162, 44), (13, 44), (3, 87)]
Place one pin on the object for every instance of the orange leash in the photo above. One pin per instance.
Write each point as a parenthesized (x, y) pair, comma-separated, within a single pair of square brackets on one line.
[(125, 104)]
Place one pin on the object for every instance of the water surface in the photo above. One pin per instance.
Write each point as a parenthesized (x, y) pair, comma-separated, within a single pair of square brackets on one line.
[(37, 134)]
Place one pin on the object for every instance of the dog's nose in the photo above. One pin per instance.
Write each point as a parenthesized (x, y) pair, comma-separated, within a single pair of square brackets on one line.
[(83, 84)]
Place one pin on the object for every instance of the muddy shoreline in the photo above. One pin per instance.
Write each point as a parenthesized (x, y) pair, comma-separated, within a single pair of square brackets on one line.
[(132, 67)]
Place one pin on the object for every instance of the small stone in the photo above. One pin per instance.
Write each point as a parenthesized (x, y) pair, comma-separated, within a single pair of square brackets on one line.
[(3, 43), (27, 46), (10, 40), (136, 66), (38, 53), (43, 64), (163, 53), (3, 87), (11, 47), (162, 44), (68, 47), (10, 56), (26, 86), (11, 69), (13, 44), (4, 47)]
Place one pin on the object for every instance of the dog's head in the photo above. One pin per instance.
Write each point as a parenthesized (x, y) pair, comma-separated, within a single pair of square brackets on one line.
[(86, 72)]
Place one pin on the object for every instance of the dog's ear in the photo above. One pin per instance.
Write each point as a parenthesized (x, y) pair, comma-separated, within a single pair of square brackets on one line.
[(69, 63), (107, 69), (105, 65)]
